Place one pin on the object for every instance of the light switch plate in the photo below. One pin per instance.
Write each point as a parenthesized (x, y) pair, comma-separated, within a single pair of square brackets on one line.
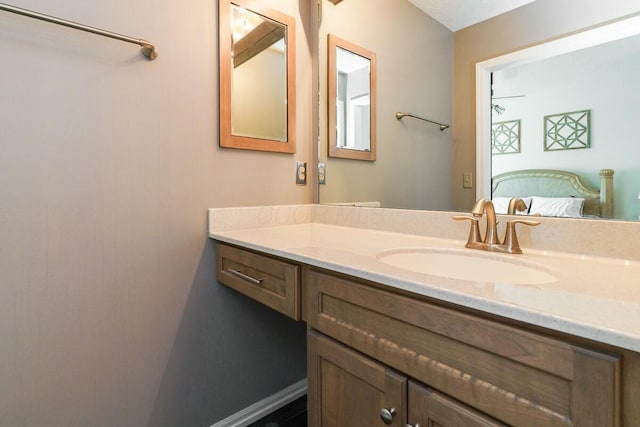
[(301, 173)]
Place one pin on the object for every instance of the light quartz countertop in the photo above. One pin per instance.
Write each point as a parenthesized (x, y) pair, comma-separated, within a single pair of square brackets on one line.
[(590, 296)]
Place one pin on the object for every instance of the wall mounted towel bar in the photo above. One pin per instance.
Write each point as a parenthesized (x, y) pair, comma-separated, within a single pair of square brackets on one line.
[(401, 115), (148, 49)]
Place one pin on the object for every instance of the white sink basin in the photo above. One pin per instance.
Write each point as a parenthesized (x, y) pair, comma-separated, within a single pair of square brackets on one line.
[(467, 265)]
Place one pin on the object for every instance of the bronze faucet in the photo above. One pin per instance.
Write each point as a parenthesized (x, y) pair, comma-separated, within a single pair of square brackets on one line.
[(491, 242)]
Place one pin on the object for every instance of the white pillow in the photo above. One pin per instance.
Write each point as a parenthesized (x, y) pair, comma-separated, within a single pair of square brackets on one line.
[(567, 207), (501, 205)]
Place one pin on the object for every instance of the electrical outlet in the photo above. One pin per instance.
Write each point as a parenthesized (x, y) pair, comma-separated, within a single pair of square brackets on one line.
[(322, 173), (467, 180), (301, 173)]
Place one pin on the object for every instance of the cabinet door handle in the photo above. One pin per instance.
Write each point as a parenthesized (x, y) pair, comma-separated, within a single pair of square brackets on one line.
[(387, 415), (241, 275), (409, 425)]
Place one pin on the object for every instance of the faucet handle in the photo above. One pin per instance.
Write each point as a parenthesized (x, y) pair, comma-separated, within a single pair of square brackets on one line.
[(474, 231), (511, 243)]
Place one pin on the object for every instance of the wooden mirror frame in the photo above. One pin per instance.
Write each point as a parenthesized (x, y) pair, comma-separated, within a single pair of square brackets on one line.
[(335, 151), (227, 139)]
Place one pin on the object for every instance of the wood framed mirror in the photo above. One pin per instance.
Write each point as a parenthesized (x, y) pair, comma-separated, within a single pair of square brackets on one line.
[(352, 100), (257, 77)]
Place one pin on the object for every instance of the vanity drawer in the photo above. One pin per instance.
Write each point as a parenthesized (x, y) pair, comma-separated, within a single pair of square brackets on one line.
[(514, 375), (271, 281)]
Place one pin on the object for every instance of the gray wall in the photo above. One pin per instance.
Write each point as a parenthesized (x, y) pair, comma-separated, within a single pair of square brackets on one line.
[(109, 311), (529, 25)]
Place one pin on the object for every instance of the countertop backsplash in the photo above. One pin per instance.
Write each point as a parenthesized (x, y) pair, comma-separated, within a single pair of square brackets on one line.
[(606, 238)]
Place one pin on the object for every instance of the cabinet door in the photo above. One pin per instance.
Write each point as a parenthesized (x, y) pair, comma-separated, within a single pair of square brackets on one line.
[(428, 408), (348, 389)]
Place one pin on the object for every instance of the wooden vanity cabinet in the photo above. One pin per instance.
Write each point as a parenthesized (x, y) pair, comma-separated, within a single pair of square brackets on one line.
[(269, 280), (506, 374), (371, 347)]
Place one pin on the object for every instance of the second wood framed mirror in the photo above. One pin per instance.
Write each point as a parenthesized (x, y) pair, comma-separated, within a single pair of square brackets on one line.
[(352, 100)]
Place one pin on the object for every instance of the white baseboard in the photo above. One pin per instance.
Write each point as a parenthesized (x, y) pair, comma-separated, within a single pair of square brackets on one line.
[(264, 407)]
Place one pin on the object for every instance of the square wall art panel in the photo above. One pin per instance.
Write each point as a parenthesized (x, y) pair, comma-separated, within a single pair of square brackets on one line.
[(505, 137), (567, 131)]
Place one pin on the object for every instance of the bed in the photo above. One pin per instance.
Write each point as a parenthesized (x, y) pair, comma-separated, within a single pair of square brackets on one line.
[(540, 186)]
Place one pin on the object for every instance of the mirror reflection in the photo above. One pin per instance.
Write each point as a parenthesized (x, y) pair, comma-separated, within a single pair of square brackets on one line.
[(257, 78), (611, 101), (553, 114), (352, 100), (413, 72)]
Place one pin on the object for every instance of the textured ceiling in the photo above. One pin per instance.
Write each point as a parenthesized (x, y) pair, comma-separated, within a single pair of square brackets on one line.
[(458, 14)]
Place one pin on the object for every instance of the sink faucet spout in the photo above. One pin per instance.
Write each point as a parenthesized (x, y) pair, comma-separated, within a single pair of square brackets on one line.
[(482, 207)]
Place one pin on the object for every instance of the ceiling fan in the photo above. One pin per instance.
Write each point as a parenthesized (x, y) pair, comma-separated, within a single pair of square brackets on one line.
[(499, 109)]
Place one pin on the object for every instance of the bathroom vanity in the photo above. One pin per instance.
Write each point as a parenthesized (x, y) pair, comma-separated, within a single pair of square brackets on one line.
[(394, 340)]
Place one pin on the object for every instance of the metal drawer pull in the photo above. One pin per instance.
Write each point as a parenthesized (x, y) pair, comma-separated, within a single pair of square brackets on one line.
[(241, 275), (387, 415)]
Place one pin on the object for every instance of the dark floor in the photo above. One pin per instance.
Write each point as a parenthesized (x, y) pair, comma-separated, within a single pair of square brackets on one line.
[(292, 415)]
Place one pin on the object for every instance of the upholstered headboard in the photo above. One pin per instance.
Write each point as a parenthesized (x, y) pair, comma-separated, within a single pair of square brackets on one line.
[(555, 183)]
